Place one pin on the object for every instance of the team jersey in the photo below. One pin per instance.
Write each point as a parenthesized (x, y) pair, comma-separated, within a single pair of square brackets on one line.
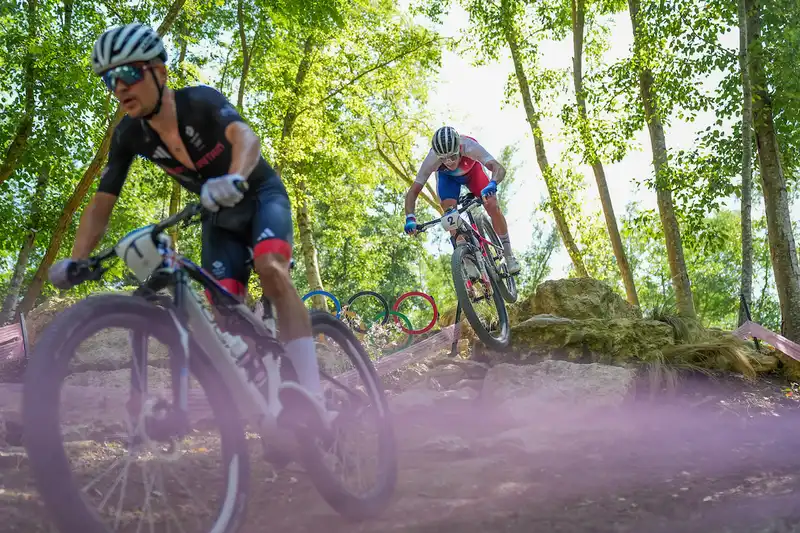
[(471, 154), (203, 114)]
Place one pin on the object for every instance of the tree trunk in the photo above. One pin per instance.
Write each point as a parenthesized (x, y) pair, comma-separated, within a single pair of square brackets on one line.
[(10, 302), (174, 205), (578, 22), (67, 27), (658, 143), (541, 155), (747, 167), (245, 53), (307, 247), (75, 200), (224, 76), (19, 143), (304, 222), (290, 117), (776, 200)]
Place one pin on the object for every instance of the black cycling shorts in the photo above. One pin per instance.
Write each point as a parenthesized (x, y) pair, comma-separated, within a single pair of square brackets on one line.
[(262, 225)]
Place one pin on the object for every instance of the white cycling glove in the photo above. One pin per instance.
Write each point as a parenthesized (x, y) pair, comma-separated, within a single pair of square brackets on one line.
[(221, 192)]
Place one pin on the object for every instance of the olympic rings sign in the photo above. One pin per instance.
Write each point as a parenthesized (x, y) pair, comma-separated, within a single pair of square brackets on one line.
[(383, 317)]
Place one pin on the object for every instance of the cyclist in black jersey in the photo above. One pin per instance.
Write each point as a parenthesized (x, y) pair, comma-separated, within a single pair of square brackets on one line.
[(200, 140)]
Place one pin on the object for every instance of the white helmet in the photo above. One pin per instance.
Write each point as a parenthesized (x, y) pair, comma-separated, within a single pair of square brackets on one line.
[(446, 141), (126, 44)]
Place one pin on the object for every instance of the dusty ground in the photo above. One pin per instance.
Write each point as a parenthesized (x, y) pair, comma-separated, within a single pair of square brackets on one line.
[(721, 458)]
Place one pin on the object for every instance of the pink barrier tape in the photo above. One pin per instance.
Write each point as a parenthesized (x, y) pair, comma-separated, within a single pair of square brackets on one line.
[(396, 361), (13, 344), (752, 329)]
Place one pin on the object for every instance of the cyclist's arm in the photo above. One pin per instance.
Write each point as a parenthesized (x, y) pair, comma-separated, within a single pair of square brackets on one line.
[(95, 217), (498, 170), (93, 224), (430, 164), (411, 197), (245, 148), (245, 144), (474, 150)]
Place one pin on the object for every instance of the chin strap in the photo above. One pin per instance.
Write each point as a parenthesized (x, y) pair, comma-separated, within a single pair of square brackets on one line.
[(157, 108)]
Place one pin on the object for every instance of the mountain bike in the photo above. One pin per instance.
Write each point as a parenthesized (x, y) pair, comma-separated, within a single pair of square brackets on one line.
[(480, 275), (240, 381)]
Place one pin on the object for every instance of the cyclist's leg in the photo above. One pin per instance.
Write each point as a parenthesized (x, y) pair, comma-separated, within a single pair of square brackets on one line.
[(224, 255), (476, 181), (448, 190), (272, 252)]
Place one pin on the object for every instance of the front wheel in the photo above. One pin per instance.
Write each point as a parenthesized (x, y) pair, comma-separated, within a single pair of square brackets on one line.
[(480, 299), (353, 391), (118, 477)]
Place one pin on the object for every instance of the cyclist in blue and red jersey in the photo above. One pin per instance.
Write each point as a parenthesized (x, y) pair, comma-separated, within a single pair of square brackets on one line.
[(459, 161)]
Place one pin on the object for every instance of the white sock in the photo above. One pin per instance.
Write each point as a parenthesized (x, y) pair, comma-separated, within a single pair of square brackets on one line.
[(506, 242), (302, 354)]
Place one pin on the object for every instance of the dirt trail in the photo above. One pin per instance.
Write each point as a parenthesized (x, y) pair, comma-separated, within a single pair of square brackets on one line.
[(644, 468)]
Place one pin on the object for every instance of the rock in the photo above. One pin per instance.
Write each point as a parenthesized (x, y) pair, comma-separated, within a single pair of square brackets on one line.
[(592, 340), (420, 398), (789, 367), (763, 363), (10, 428), (473, 369), (518, 440), (476, 384), (560, 382), (449, 444), (457, 396), (416, 399), (446, 376), (579, 298)]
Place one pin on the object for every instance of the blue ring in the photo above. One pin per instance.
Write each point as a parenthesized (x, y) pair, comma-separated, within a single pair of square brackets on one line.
[(329, 295)]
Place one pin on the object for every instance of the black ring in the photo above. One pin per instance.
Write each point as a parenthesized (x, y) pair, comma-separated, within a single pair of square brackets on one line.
[(380, 299)]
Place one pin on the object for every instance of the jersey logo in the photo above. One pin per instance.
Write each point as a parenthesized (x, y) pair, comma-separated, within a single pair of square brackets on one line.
[(266, 234), (161, 153), (194, 138)]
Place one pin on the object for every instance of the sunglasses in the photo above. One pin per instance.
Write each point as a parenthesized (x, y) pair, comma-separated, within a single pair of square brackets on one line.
[(450, 158), (127, 74)]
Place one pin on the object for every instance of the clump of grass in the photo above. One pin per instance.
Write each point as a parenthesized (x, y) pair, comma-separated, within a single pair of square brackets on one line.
[(684, 330), (719, 354)]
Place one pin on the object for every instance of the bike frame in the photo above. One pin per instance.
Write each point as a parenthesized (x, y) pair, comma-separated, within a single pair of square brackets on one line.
[(192, 317), (188, 316)]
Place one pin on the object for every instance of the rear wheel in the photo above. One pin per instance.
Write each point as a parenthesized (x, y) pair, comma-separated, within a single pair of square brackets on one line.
[(353, 391), (71, 477), (481, 300)]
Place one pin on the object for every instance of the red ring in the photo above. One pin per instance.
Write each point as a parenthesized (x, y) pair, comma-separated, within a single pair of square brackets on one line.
[(426, 328)]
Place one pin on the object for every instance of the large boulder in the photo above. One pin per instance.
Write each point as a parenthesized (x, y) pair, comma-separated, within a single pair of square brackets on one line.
[(578, 298), (593, 340)]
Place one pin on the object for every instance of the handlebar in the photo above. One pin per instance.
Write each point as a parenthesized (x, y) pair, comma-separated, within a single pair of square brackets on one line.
[(91, 269), (465, 202)]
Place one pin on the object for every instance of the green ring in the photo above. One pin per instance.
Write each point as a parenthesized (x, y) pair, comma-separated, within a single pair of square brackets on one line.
[(404, 318)]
